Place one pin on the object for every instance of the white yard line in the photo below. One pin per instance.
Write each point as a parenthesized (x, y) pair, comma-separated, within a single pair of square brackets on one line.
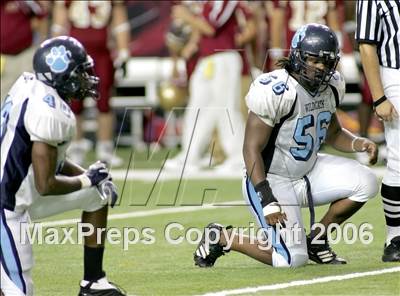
[(135, 214), (320, 280), (152, 174)]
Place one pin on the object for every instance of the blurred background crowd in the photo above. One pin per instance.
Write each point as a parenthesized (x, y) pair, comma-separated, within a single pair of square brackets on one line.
[(175, 73)]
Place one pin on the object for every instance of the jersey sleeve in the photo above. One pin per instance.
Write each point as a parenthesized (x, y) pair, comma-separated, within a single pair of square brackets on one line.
[(267, 99), (338, 87), (47, 124), (367, 22)]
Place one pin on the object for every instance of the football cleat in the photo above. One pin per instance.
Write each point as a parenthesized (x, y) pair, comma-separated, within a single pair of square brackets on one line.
[(322, 253), (207, 253), (391, 252), (101, 287)]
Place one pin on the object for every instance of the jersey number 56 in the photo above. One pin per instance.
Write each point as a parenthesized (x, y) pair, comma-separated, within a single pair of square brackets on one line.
[(304, 138)]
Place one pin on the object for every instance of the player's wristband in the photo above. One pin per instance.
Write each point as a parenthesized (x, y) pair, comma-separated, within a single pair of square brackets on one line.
[(272, 208), (379, 101), (85, 181), (265, 194)]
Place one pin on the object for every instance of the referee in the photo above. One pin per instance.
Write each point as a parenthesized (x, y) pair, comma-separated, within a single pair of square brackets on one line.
[(378, 35)]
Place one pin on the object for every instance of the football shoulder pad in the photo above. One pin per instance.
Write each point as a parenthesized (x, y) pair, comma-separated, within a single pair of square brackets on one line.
[(48, 118), (338, 84), (271, 96)]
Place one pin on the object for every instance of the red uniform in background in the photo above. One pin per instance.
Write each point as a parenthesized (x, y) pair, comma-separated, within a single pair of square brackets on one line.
[(18, 14), (23, 23), (149, 23), (298, 13), (243, 11), (93, 23), (214, 88), (89, 22), (225, 28), (224, 41), (286, 17)]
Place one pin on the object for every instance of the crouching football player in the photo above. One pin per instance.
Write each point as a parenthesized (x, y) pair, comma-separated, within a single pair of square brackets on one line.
[(37, 181), (292, 111)]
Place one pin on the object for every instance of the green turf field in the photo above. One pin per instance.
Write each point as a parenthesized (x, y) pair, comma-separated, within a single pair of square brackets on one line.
[(165, 269)]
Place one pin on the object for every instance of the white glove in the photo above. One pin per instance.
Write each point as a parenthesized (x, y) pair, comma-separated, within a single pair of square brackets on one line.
[(108, 193), (96, 174)]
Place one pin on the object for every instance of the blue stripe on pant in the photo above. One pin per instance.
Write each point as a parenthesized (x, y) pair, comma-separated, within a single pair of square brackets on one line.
[(279, 246), (9, 255)]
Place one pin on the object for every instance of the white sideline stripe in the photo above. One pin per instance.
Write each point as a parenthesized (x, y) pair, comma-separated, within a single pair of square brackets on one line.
[(136, 214), (151, 174), (320, 280)]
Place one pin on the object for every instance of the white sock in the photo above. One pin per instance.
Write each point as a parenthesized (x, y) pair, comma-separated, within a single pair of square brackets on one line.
[(391, 233)]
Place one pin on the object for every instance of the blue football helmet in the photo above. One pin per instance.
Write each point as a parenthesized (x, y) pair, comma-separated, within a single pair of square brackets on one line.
[(62, 63), (320, 42)]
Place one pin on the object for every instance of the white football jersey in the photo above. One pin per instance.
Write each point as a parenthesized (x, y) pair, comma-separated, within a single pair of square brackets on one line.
[(32, 111), (300, 121)]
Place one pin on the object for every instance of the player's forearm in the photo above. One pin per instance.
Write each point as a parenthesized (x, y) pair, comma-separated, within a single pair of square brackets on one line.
[(120, 27), (192, 45), (41, 27), (58, 185), (277, 24), (44, 163), (254, 164), (333, 19), (71, 169), (370, 62), (249, 32), (60, 20), (200, 25), (345, 141)]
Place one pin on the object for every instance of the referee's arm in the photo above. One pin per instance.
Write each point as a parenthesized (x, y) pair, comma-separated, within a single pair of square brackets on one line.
[(370, 62), (367, 37)]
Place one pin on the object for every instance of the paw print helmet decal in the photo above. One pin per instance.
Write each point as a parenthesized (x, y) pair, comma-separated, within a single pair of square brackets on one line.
[(63, 64), (58, 59)]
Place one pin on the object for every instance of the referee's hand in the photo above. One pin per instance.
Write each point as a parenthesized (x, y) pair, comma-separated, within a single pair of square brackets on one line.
[(386, 111)]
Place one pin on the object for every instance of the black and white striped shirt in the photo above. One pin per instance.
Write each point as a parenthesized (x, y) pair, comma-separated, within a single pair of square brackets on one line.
[(378, 22)]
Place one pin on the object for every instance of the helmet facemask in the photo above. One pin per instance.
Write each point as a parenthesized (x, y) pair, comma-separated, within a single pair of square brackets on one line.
[(81, 83), (313, 79), (312, 46)]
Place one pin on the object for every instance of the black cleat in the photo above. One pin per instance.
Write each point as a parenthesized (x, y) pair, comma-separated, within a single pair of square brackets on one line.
[(206, 254), (322, 253), (101, 287), (391, 253)]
